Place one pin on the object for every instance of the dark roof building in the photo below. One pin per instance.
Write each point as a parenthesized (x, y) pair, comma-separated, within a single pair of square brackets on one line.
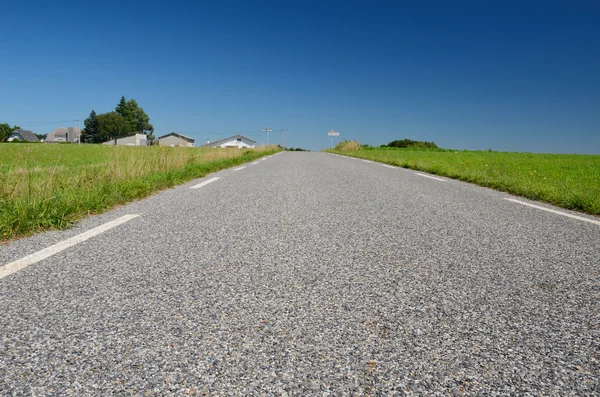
[(23, 135)]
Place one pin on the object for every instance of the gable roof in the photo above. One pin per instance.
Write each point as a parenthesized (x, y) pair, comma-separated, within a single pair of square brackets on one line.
[(27, 135), (186, 138), (62, 132), (216, 143)]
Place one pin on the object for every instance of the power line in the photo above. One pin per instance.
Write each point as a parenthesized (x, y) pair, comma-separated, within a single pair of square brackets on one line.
[(39, 122)]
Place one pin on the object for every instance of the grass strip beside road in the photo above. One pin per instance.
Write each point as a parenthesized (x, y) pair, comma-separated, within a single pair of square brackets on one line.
[(565, 180), (51, 186)]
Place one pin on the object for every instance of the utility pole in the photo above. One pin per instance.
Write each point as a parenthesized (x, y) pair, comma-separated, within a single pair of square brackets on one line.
[(284, 131), (267, 129)]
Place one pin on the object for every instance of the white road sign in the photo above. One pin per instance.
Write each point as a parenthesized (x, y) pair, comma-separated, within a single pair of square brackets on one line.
[(333, 133)]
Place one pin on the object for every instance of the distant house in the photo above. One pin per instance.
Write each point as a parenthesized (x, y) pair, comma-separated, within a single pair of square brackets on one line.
[(175, 139), (62, 134), (129, 140), (236, 141), (23, 135)]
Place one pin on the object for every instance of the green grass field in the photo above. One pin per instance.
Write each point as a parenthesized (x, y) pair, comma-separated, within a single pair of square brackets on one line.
[(50, 186), (568, 181)]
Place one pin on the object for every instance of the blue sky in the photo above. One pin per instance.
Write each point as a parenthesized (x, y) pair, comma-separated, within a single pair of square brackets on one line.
[(514, 76)]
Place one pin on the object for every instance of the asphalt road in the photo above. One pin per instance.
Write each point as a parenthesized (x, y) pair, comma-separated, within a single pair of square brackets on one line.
[(309, 274)]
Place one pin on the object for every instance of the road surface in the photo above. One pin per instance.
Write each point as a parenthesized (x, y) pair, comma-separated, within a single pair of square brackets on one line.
[(307, 274)]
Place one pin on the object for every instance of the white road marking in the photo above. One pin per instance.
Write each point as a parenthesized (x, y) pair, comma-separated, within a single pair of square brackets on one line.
[(554, 211), (264, 158), (206, 182), (240, 168), (429, 176), (386, 165), (61, 246), (367, 161), (256, 162)]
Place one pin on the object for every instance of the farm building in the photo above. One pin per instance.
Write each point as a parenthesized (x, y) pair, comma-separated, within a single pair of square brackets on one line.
[(23, 135), (62, 134), (175, 139), (236, 141), (129, 140)]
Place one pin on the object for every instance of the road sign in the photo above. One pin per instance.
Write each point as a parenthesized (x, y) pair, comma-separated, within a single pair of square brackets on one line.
[(333, 133)]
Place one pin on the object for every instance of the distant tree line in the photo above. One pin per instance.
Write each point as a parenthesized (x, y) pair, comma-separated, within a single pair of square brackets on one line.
[(291, 149), (127, 118), (409, 143)]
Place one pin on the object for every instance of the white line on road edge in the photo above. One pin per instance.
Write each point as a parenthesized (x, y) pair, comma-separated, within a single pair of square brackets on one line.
[(554, 211), (432, 177), (206, 182), (240, 168), (264, 158), (61, 246), (367, 161), (256, 162), (386, 165)]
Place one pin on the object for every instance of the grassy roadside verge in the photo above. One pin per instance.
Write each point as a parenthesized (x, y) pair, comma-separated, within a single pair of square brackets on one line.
[(51, 186), (568, 181)]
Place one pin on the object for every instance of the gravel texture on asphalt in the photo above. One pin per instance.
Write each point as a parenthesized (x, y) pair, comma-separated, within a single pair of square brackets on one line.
[(309, 274)]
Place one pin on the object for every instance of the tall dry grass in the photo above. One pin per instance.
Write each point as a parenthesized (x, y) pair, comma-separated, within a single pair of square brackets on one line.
[(50, 186), (346, 146)]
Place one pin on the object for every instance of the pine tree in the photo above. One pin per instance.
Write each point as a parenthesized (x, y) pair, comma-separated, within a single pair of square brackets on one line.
[(90, 132), (122, 107)]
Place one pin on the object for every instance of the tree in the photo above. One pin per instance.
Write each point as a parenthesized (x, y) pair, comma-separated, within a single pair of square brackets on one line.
[(122, 108), (90, 131), (110, 126), (409, 143), (6, 130), (138, 120)]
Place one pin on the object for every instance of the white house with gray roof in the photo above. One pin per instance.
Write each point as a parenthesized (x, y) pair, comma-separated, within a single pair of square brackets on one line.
[(129, 140), (22, 135), (236, 141)]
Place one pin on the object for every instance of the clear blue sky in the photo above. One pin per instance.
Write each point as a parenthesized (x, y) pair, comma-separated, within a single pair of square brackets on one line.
[(515, 76)]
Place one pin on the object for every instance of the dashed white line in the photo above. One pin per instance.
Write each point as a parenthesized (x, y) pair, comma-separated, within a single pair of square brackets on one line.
[(553, 211), (61, 246), (240, 168), (367, 161), (264, 158), (256, 162), (388, 166), (206, 182), (431, 177)]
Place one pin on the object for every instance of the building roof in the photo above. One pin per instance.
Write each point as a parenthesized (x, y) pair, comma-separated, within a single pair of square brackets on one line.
[(217, 143), (186, 138), (27, 135), (62, 132)]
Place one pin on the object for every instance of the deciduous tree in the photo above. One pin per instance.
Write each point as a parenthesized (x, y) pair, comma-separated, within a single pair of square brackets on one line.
[(111, 125), (6, 130)]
